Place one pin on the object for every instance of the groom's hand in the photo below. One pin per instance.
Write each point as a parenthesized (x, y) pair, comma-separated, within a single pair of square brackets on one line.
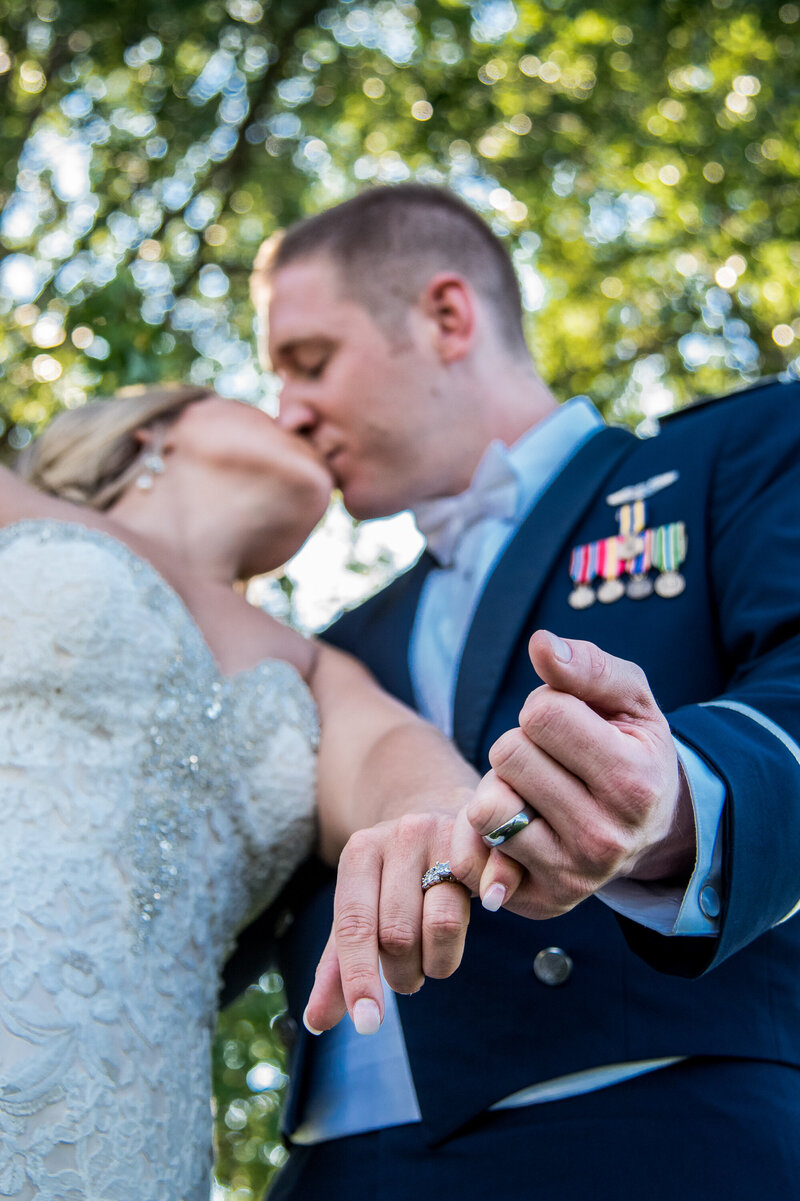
[(382, 918), (594, 758)]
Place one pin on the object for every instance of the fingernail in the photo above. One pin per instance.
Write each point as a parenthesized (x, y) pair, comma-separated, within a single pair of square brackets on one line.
[(561, 649), (366, 1017), (493, 898), (311, 1029)]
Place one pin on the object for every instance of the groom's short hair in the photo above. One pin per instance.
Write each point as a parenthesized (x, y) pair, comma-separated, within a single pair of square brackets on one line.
[(388, 241)]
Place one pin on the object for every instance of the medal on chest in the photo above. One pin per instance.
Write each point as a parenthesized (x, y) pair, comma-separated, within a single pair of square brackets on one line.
[(621, 565), (612, 587), (582, 568), (669, 552)]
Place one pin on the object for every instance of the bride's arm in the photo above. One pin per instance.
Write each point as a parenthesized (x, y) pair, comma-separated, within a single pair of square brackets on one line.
[(398, 783), (378, 759)]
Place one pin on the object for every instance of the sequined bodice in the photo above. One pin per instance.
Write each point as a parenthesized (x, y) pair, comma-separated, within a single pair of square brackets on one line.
[(148, 807)]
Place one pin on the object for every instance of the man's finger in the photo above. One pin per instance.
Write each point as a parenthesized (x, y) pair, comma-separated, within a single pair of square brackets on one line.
[(494, 804), (533, 868), (494, 876), (563, 748), (615, 688), (566, 812)]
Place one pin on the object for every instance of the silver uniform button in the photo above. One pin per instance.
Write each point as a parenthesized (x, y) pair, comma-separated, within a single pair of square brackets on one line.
[(552, 966), (710, 905)]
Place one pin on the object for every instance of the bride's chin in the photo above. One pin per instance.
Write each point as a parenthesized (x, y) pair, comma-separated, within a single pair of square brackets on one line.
[(278, 545), (313, 498)]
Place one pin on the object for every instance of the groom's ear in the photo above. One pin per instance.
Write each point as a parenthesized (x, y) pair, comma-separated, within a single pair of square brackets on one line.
[(448, 304)]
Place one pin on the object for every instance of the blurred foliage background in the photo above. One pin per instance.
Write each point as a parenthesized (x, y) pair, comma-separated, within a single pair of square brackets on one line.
[(642, 160)]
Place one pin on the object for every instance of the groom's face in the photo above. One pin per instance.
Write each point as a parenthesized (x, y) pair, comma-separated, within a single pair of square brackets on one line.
[(374, 406)]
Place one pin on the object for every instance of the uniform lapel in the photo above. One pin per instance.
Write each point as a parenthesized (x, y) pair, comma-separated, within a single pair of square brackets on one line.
[(520, 576)]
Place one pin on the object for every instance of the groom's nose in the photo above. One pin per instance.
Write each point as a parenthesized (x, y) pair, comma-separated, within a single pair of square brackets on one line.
[(296, 414)]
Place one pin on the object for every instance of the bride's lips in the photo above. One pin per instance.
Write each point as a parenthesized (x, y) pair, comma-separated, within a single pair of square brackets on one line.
[(332, 458)]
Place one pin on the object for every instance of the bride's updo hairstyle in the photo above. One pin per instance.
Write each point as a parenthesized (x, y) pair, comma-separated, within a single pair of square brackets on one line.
[(91, 454)]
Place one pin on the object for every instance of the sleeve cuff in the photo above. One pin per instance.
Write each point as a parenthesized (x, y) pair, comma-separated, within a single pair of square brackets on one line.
[(667, 910)]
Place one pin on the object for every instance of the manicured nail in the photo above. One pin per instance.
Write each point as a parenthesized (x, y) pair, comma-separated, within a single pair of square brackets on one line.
[(561, 649), (311, 1029), (493, 898), (366, 1016)]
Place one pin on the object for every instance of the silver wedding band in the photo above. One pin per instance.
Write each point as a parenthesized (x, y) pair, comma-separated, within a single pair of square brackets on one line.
[(519, 821)]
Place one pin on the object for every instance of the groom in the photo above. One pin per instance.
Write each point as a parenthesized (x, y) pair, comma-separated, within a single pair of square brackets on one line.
[(556, 1063)]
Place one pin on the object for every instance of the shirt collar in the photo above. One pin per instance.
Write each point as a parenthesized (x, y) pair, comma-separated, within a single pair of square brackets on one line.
[(508, 480), (493, 493), (545, 449)]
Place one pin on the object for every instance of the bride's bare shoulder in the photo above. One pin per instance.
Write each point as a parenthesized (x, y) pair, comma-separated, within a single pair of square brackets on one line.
[(282, 642), (241, 635)]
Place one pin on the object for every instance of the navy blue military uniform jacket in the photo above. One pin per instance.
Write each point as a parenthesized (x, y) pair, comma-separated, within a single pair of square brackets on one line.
[(734, 635)]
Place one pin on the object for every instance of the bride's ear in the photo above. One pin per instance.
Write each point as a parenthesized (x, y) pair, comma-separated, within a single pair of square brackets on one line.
[(155, 438)]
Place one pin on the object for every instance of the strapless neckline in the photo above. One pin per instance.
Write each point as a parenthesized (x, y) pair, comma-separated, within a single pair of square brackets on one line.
[(53, 529), (151, 805)]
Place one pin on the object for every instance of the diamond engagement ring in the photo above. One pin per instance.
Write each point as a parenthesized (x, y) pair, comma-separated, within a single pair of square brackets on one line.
[(438, 874), (519, 821)]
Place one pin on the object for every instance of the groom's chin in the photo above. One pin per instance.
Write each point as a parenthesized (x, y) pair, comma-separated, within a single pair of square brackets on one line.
[(363, 504)]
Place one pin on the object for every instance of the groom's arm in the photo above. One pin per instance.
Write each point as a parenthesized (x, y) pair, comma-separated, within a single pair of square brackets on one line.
[(596, 713), (593, 756)]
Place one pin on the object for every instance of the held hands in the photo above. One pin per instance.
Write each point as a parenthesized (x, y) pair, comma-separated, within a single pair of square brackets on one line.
[(594, 758)]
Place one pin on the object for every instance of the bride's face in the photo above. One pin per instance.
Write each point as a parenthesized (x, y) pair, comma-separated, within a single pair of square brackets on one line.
[(240, 445)]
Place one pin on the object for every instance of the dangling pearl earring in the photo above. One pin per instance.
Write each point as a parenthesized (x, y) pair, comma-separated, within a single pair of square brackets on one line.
[(152, 465)]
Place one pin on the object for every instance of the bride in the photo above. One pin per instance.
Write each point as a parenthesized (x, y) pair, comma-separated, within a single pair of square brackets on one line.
[(158, 755)]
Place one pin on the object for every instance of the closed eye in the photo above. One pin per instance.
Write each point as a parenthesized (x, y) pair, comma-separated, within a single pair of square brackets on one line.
[(312, 370), (304, 361)]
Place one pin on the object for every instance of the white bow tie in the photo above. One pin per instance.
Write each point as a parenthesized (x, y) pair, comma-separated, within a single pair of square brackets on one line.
[(492, 493)]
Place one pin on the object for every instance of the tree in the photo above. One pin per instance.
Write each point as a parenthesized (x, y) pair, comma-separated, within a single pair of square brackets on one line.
[(642, 161)]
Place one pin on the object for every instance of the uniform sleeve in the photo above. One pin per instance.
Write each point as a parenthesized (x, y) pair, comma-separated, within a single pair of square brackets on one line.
[(750, 735), (670, 908)]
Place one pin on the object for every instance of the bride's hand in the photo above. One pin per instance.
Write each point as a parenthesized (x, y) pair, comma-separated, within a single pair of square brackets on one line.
[(382, 918)]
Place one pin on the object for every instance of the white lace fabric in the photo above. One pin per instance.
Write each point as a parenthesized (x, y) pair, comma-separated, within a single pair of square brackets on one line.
[(148, 806)]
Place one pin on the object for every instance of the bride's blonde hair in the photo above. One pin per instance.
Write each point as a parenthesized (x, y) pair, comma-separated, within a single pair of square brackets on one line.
[(91, 454)]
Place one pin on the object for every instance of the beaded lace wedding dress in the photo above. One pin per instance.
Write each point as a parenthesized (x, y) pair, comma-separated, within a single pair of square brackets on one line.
[(147, 806)]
